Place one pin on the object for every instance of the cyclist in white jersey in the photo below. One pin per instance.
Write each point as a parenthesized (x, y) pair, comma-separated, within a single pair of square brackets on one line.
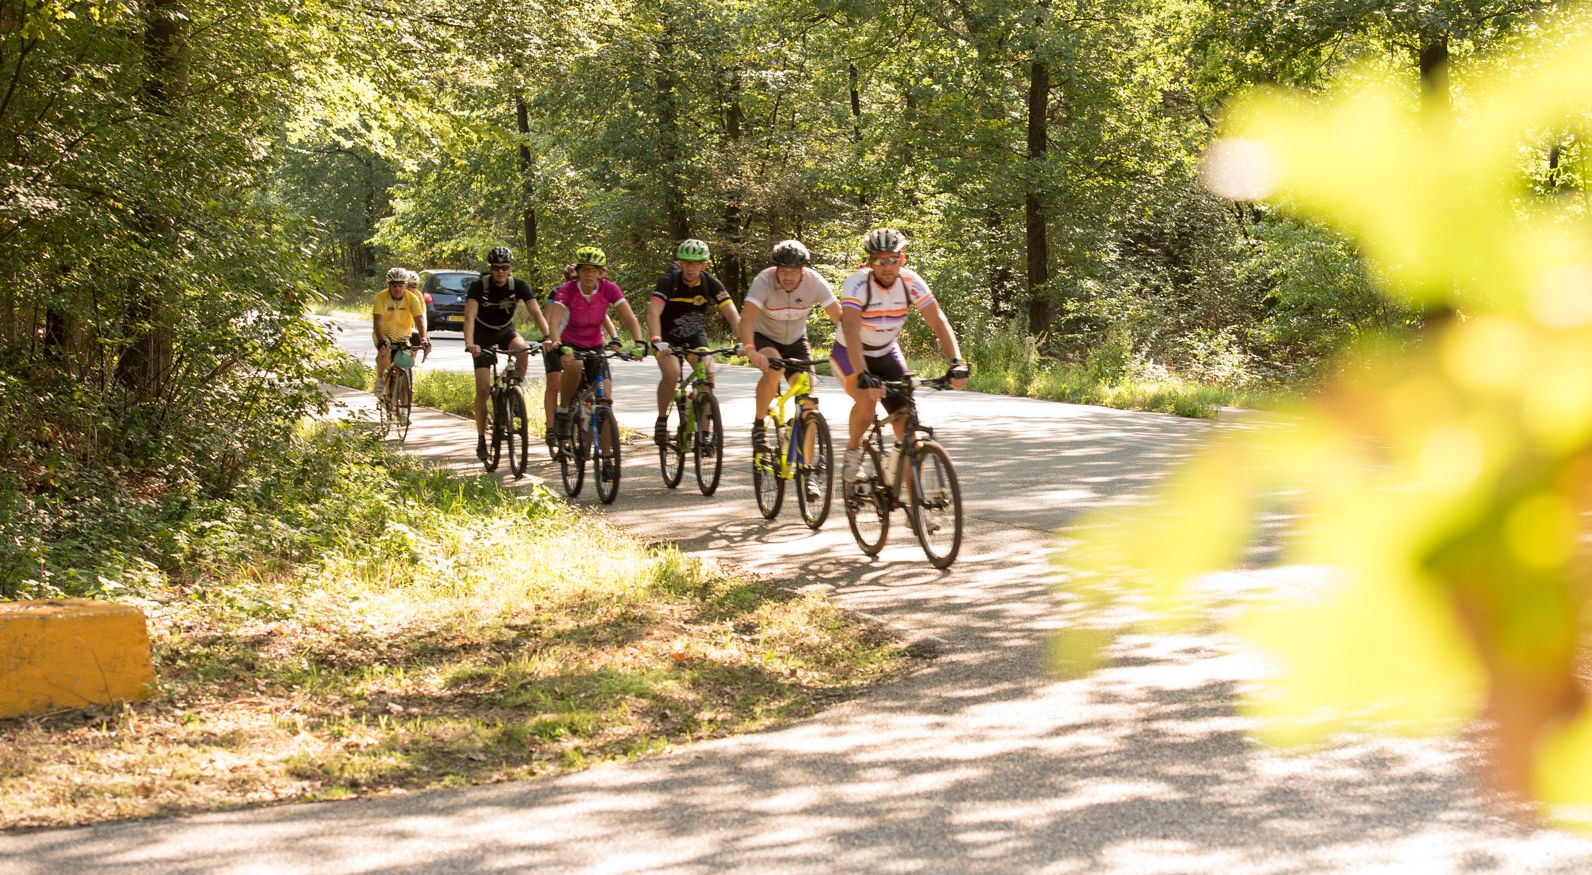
[(875, 302), (774, 318)]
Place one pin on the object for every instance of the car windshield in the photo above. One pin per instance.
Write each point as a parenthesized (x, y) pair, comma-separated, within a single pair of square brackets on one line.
[(455, 282)]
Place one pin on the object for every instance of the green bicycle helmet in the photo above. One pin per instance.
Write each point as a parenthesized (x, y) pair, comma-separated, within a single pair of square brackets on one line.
[(692, 250), (591, 255)]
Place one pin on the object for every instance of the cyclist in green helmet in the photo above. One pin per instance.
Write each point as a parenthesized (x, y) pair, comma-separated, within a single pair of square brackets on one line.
[(677, 317)]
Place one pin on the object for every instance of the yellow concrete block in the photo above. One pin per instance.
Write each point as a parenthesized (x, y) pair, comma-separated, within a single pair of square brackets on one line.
[(69, 653)]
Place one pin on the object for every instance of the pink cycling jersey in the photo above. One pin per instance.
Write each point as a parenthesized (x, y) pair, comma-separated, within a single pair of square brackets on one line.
[(584, 325)]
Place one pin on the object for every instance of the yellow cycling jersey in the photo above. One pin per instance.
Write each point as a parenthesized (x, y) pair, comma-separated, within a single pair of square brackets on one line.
[(398, 318)]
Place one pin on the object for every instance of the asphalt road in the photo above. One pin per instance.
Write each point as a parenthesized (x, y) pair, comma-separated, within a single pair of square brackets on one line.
[(982, 761)]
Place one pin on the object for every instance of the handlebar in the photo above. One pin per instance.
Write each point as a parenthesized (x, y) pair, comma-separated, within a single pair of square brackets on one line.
[(939, 383), (493, 350), (594, 354), (780, 364)]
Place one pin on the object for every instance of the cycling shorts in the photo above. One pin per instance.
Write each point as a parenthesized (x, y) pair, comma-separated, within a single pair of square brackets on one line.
[(554, 361), (680, 343), (796, 349), (414, 340), (892, 365), (501, 338)]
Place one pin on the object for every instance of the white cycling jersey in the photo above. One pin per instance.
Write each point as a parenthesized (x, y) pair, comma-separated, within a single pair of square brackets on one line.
[(782, 315), (884, 309)]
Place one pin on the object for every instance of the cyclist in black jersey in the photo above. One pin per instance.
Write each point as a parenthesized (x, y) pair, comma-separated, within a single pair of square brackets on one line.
[(677, 317), (489, 308)]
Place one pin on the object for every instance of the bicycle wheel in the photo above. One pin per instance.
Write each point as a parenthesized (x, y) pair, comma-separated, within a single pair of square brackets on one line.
[(936, 504), (573, 445), (606, 470), (402, 400), (766, 482), (868, 504), (671, 454), (815, 475), (708, 447), (518, 431), (495, 444), (384, 408)]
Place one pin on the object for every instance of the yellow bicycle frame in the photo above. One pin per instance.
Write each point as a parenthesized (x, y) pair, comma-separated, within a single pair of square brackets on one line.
[(800, 384)]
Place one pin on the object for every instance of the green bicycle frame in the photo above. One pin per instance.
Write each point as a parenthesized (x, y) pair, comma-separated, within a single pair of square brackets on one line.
[(699, 374)]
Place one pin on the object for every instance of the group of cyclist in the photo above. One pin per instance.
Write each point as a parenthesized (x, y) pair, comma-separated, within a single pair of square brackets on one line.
[(869, 313)]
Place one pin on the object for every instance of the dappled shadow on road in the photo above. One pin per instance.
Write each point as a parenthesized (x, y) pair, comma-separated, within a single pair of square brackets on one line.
[(955, 769), (981, 761)]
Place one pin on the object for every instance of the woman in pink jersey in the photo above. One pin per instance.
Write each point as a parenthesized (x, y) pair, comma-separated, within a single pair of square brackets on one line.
[(575, 318)]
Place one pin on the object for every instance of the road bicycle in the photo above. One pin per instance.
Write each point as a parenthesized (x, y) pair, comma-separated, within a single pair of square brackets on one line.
[(591, 413), (934, 499), (509, 423), (695, 424), (796, 449), (396, 397)]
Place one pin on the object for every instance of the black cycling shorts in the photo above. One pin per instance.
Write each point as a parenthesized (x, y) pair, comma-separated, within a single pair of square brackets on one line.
[(498, 337), (680, 344), (797, 349)]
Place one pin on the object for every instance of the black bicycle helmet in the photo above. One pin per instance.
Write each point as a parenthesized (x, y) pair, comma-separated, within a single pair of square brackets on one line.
[(791, 253), (500, 255), (884, 240)]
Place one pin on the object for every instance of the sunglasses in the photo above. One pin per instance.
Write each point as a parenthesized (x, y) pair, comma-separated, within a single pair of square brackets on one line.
[(884, 260), (502, 267)]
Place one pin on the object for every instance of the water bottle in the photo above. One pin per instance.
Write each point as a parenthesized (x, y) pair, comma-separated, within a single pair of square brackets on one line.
[(890, 464)]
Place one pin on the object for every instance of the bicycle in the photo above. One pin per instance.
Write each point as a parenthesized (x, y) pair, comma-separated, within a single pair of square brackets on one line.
[(697, 424), (396, 398), (805, 456), (591, 412), (934, 501), (509, 422)]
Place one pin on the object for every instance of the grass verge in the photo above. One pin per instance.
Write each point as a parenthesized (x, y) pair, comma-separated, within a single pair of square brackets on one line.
[(351, 623)]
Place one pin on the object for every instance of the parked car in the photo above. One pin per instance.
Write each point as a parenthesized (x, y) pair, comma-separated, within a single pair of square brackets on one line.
[(444, 292)]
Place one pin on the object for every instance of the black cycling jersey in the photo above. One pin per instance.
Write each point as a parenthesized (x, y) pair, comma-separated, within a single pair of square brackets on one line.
[(495, 303), (686, 308)]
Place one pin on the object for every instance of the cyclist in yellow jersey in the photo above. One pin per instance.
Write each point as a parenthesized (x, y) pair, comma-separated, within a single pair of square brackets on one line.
[(398, 316)]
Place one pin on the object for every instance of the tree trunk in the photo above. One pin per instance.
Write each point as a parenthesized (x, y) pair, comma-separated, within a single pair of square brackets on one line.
[(732, 265), (1036, 236), (669, 132), (522, 116), (1434, 74), (1435, 104), (145, 360), (854, 83)]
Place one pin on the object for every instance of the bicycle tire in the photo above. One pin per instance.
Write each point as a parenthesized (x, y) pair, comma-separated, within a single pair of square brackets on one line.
[(766, 482), (671, 454), (572, 458), (708, 443), (383, 407), (518, 432), (495, 445), (403, 403), (815, 476), (936, 503), (605, 468), (868, 504)]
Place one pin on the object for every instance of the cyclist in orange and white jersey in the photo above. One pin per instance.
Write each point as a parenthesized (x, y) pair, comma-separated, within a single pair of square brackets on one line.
[(874, 303)]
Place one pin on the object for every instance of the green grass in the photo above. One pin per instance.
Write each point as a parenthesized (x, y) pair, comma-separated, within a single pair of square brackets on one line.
[(1010, 364), (350, 622)]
